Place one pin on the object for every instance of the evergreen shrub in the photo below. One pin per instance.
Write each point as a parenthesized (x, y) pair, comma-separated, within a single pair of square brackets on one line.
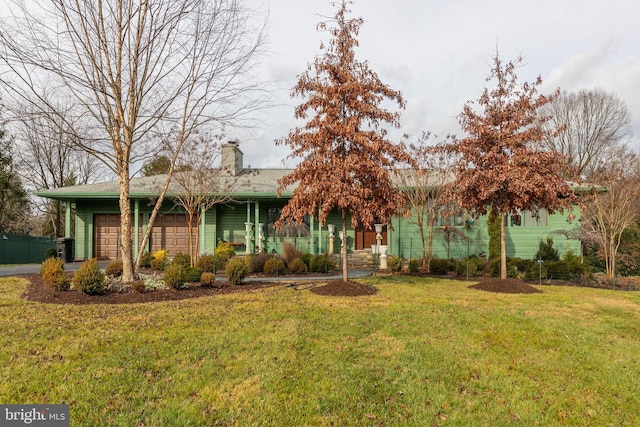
[(236, 270), (89, 279)]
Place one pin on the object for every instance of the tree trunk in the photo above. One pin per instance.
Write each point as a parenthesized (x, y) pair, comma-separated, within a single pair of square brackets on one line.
[(126, 250), (503, 247), (343, 248)]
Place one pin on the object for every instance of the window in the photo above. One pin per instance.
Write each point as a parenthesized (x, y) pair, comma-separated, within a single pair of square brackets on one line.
[(530, 219), (516, 220), (534, 219), (543, 218)]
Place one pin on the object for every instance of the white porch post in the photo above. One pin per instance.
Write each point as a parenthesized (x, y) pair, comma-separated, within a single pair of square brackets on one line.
[(67, 219)]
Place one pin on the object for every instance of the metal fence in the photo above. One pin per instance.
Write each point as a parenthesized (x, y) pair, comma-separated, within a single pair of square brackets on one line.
[(16, 249)]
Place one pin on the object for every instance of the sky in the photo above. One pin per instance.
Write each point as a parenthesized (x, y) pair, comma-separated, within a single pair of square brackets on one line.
[(438, 54)]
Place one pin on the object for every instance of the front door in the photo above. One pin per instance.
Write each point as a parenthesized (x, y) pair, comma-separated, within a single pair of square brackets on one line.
[(367, 237)]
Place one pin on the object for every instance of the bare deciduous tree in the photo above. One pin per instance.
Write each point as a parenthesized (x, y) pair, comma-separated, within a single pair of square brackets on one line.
[(347, 159), (201, 188), (588, 127), (135, 72), (47, 160), (424, 187), (612, 208)]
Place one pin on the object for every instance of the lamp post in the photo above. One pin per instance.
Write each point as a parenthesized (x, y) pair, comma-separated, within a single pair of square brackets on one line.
[(332, 229)]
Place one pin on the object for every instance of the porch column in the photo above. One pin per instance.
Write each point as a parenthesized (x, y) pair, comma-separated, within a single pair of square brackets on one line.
[(136, 227), (311, 235), (256, 228), (201, 226), (319, 233), (67, 219)]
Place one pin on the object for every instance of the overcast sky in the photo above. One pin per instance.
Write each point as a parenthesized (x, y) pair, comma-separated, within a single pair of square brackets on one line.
[(438, 53)]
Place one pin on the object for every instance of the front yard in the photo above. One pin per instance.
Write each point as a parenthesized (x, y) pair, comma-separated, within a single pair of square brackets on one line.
[(421, 351)]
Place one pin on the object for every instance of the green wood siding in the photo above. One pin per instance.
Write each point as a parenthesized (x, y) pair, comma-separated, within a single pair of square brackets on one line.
[(522, 241), (227, 222)]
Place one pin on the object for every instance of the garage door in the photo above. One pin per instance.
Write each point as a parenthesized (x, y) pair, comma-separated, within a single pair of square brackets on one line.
[(106, 236), (171, 232)]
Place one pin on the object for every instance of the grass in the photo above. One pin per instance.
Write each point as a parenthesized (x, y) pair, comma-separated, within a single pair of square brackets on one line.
[(420, 352)]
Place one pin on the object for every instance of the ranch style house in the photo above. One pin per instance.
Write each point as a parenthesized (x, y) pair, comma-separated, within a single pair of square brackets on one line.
[(246, 220)]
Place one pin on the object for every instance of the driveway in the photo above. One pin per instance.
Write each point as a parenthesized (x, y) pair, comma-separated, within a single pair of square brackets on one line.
[(16, 270)]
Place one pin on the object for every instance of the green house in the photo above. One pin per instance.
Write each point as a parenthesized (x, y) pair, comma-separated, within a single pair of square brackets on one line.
[(246, 221)]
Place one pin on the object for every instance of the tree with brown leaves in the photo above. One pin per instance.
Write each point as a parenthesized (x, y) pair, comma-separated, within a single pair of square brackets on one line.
[(498, 167), (347, 158)]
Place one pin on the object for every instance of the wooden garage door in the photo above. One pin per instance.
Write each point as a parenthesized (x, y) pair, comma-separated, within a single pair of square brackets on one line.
[(171, 232), (107, 235)]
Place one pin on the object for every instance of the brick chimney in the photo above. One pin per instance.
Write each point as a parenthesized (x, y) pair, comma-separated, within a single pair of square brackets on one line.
[(232, 158)]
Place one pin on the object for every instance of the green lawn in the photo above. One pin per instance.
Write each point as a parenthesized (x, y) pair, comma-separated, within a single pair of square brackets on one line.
[(420, 352)]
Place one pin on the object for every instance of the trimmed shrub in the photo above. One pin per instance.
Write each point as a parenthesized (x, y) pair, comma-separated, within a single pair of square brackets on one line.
[(182, 260), (50, 253), (537, 271), (221, 261), (145, 260), (394, 263), (53, 275), (224, 249), (138, 286), (440, 267), (207, 279), (174, 276), (297, 266), (158, 264), (89, 279), (577, 269), (414, 266), (518, 268), (206, 263), (114, 269), (274, 266), (256, 262), (236, 271), (306, 258), (192, 274), (558, 270), (322, 263), (476, 265)]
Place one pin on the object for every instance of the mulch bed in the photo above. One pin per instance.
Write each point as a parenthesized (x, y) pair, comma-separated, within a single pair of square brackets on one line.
[(339, 287), (38, 291), (505, 286)]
